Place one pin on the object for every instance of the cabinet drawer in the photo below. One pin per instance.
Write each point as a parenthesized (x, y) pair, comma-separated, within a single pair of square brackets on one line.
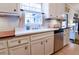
[(24, 39), (51, 33), (18, 40), (3, 44), (20, 50), (41, 35), (4, 52), (37, 36)]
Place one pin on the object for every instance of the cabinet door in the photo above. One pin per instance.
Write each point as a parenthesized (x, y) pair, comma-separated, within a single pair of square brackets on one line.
[(4, 52), (18, 41), (8, 7), (56, 9), (20, 50), (3, 44), (37, 47), (49, 45), (66, 38)]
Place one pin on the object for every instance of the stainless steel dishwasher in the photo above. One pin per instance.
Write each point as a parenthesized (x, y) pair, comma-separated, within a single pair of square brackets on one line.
[(58, 39)]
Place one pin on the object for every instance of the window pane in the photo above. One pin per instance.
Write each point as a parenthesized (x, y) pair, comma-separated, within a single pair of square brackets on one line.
[(28, 14), (32, 13), (38, 18), (37, 5), (32, 6)]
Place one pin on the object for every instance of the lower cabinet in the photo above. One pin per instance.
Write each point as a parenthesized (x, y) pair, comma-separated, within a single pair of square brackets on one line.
[(44, 46), (66, 37), (4, 52), (37, 47), (20, 50), (29, 45), (49, 45)]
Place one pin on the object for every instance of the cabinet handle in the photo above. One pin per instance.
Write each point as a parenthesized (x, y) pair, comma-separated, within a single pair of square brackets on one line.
[(46, 41), (21, 10), (41, 43), (26, 48), (14, 9), (19, 41)]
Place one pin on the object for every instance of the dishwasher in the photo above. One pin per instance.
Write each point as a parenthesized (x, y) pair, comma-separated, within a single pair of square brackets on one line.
[(58, 39)]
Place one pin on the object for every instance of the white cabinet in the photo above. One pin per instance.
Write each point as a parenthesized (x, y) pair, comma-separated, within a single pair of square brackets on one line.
[(4, 52), (41, 35), (9, 7), (35, 44), (49, 45), (37, 47), (57, 9), (18, 41), (19, 45), (53, 9), (3, 44), (66, 37), (20, 50), (43, 45)]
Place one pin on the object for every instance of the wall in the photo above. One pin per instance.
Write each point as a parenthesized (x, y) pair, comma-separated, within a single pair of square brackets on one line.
[(8, 23), (9, 7)]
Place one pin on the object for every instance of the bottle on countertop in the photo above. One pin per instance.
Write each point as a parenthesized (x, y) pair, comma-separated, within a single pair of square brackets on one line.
[(28, 25)]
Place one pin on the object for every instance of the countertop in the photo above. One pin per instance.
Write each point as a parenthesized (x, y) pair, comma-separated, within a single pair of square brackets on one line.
[(23, 31), (20, 31)]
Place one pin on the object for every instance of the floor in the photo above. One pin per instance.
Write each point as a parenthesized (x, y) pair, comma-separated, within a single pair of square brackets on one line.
[(71, 49)]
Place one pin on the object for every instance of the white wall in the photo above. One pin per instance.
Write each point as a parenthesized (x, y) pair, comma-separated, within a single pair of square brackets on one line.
[(8, 22), (9, 7)]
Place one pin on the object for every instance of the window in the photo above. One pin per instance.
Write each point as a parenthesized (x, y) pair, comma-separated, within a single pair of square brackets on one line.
[(32, 7), (33, 17), (33, 12)]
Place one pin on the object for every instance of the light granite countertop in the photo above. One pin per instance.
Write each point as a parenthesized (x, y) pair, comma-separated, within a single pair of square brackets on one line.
[(20, 31)]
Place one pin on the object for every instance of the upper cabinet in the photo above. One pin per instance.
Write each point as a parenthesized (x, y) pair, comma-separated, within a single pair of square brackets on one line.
[(9, 7), (54, 9)]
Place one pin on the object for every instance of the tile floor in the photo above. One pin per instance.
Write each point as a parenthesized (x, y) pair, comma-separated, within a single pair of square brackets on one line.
[(71, 49)]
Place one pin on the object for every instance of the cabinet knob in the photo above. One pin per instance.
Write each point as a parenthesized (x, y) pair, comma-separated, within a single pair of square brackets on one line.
[(26, 48), (14, 9), (19, 41), (41, 43), (46, 41), (21, 10)]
